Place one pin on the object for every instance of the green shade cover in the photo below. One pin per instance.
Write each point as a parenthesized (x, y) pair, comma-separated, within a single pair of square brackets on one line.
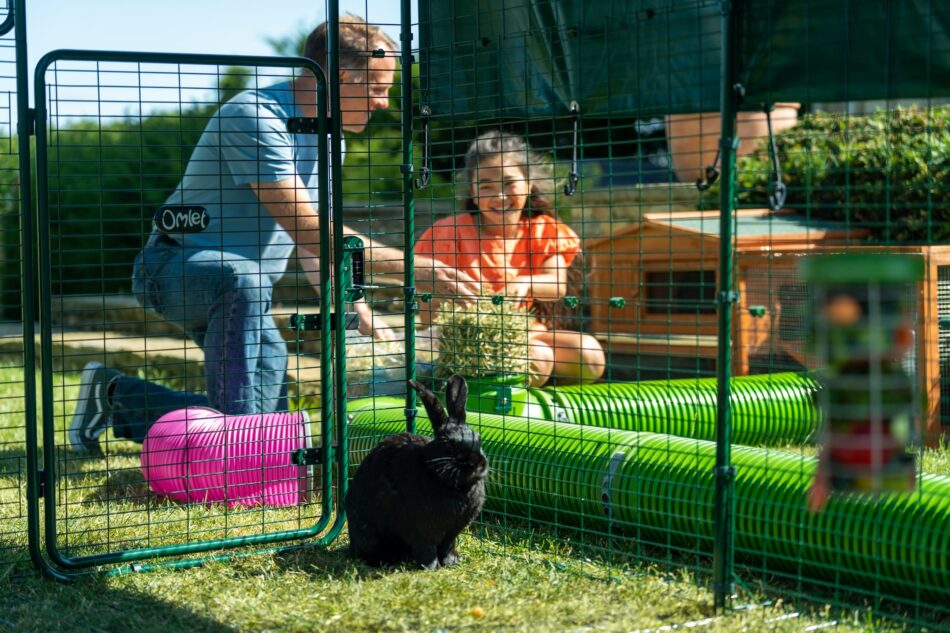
[(495, 59)]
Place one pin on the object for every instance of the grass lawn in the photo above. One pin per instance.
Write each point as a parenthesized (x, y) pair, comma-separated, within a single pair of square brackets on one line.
[(503, 583)]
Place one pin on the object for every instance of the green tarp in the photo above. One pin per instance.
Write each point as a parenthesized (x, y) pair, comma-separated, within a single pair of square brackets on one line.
[(844, 50), (493, 59)]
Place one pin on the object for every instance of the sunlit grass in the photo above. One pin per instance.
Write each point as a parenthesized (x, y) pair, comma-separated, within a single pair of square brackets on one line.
[(540, 583)]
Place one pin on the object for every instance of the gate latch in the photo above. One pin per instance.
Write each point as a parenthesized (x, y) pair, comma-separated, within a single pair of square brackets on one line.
[(503, 399), (352, 273), (311, 322)]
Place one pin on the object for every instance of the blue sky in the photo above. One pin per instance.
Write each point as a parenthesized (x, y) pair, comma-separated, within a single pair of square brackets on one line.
[(187, 26)]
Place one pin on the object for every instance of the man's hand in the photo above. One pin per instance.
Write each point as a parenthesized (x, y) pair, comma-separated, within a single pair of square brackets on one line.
[(445, 281), (372, 325)]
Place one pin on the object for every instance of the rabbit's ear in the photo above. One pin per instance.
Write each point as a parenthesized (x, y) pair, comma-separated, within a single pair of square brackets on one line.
[(433, 407), (456, 394)]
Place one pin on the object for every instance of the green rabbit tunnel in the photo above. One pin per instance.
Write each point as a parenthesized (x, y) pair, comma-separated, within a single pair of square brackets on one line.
[(767, 409), (659, 488)]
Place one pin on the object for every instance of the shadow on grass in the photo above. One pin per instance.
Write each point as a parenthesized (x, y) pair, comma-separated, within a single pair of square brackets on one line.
[(13, 462), (332, 561), (92, 604), (125, 485)]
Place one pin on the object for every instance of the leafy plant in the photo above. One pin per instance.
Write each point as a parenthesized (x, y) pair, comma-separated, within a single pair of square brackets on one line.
[(483, 338), (887, 172)]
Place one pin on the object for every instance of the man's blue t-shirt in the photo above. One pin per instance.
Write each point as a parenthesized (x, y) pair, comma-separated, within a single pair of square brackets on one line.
[(247, 141)]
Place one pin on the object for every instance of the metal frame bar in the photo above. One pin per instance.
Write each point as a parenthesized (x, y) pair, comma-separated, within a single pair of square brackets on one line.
[(724, 502)]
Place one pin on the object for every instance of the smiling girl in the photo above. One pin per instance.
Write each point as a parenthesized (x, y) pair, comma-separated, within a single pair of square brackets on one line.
[(510, 240)]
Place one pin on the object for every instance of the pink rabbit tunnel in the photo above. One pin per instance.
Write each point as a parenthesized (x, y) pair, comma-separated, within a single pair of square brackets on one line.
[(199, 455)]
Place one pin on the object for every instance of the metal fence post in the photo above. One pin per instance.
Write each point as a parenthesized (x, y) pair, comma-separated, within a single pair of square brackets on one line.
[(726, 300), (408, 201)]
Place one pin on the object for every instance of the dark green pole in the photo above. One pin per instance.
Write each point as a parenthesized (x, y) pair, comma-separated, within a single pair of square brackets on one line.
[(726, 300), (408, 201), (326, 333), (336, 206), (28, 287)]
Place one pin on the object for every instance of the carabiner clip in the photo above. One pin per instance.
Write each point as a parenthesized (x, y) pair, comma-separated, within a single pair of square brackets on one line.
[(426, 172), (572, 178), (712, 174), (778, 192)]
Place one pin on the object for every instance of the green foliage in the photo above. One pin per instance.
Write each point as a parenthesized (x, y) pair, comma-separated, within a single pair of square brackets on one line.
[(485, 338), (372, 170), (106, 180), (887, 172), (10, 259)]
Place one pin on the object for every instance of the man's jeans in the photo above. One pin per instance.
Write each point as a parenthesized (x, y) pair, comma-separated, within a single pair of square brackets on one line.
[(222, 301)]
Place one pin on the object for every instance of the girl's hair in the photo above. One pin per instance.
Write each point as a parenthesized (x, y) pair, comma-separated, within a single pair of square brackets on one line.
[(537, 169)]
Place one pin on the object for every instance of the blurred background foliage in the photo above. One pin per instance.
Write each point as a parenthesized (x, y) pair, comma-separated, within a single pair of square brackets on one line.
[(888, 172)]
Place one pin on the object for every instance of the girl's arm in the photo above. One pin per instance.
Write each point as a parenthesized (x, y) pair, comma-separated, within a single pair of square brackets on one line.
[(548, 285)]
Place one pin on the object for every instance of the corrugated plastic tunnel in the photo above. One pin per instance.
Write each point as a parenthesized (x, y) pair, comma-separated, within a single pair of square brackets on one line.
[(767, 409), (659, 489)]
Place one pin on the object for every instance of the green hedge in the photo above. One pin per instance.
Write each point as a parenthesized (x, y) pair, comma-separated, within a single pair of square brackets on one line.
[(887, 172)]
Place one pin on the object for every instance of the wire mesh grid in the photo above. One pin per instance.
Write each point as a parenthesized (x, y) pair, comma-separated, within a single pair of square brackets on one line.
[(626, 464), (13, 472), (134, 329), (593, 351)]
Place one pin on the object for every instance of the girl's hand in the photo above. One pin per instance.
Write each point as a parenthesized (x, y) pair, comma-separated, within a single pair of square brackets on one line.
[(516, 290)]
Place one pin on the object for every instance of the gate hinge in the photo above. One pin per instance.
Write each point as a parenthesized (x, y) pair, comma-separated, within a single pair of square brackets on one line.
[(305, 125), (728, 296), (310, 322), (31, 121), (41, 487), (307, 456), (409, 293)]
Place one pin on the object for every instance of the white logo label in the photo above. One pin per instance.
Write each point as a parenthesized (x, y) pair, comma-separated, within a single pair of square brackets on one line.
[(181, 219)]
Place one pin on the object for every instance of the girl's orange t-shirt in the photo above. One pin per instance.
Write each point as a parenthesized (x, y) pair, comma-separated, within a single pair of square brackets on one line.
[(455, 241)]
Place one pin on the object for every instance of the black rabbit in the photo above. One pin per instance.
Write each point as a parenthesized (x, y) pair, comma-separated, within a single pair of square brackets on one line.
[(413, 495)]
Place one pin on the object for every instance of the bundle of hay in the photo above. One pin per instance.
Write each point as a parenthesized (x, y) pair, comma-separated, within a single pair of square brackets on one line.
[(484, 338)]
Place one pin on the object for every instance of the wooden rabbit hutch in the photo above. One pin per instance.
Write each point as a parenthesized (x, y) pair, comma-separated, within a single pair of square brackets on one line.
[(652, 297)]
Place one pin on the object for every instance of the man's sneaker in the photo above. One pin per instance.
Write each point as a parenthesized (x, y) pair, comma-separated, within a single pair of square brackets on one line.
[(93, 413)]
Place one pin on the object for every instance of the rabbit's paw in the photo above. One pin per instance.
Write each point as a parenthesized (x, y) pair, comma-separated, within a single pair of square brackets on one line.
[(425, 555), (449, 558)]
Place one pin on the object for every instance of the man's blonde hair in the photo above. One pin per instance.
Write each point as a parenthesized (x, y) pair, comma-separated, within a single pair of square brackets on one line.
[(357, 40)]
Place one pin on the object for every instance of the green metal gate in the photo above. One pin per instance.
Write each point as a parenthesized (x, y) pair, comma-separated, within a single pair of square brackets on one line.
[(95, 112)]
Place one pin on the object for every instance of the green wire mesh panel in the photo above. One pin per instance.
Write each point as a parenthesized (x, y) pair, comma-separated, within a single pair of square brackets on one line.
[(629, 483), (117, 136), (13, 470), (620, 103), (618, 288)]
